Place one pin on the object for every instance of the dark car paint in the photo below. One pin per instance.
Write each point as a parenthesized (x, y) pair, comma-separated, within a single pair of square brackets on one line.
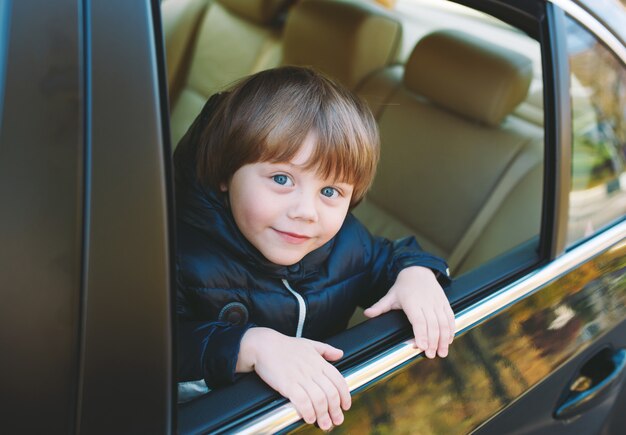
[(85, 305), (520, 360), (41, 197), (126, 352)]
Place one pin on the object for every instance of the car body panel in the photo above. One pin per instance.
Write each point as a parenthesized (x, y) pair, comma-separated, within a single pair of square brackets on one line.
[(502, 358), (126, 356), (41, 215), (503, 350)]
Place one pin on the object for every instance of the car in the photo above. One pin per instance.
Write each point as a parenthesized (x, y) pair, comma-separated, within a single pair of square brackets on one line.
[(503, 149)]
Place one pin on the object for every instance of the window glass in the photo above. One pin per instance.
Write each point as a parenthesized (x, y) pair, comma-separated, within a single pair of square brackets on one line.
[(598, 95)]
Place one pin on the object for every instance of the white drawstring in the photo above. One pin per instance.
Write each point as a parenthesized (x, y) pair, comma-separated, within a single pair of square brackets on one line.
[(302, 311)]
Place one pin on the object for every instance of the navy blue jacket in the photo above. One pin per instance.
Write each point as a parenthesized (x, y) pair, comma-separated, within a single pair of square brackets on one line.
[(225, 285)]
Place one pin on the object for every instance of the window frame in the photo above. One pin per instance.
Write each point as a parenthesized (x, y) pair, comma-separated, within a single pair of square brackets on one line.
[(125, 367), (250, 398)]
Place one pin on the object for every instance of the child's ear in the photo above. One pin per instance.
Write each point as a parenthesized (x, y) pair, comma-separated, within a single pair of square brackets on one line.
[(223, 187)]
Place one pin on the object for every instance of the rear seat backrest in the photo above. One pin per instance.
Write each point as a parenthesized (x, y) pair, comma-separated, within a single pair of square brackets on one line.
[(181, 19), (346, 39), (477, 80), (447, 143), (235, 38)]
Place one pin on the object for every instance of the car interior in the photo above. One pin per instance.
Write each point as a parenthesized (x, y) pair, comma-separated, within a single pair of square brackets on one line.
[(460, 117), (457, 94)]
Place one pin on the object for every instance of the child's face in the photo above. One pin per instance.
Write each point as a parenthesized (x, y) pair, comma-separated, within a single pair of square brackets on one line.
[(284, 210)]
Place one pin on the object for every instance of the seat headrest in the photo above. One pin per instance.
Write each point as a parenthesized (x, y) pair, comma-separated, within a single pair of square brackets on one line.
[(346, 39), (469, 76), (258, 11)]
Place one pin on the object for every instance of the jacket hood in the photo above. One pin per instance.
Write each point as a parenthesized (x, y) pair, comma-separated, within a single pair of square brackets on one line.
[(208, 211)]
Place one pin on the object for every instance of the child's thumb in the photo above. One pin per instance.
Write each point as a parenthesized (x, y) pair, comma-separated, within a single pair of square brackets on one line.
[(380, 307), (328, 352)]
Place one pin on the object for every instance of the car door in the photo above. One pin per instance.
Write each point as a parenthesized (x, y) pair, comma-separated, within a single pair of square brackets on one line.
[(540, 329), (84, 165), (585, 392), (40, 223), (126, 359)]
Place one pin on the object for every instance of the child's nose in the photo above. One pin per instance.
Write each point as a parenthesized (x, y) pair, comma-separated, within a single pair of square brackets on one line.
[(303, 208)]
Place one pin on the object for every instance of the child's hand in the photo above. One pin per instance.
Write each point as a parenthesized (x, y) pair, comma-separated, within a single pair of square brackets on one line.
[(417, 292), (298, 369)]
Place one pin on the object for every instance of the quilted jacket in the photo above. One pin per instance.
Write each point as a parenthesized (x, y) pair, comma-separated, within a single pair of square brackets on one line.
[(225, 285)]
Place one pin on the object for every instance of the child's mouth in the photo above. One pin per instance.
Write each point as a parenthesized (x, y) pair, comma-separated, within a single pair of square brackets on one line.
[(292, 237)]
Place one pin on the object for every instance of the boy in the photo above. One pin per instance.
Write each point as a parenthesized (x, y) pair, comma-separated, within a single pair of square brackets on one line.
[(268, 251)]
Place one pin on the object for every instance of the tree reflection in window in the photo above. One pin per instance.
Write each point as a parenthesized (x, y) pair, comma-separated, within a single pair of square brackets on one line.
[(598, 93)]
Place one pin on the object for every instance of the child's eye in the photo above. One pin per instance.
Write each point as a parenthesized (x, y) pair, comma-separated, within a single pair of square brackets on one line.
[(330, 192), (281, 179)]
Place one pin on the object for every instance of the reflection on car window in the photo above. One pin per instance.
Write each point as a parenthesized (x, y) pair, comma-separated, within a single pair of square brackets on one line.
[(598, 93)]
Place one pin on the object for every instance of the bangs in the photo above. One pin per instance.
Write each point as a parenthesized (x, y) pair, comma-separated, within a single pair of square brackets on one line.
[(339, 159), (346, 144), (268, 116)]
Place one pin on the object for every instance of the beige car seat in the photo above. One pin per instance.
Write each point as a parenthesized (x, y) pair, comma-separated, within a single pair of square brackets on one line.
[(234, 38), (346, 39), (181, 19), (457, 170)]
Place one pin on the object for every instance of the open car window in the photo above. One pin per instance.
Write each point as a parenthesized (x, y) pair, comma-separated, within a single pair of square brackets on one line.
[(458, 97)]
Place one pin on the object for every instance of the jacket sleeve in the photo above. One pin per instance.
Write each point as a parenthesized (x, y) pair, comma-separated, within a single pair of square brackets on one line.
[(386, 258), (208, 350)]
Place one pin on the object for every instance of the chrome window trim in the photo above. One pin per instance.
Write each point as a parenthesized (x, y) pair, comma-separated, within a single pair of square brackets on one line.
[(593, 25), (286, 415)]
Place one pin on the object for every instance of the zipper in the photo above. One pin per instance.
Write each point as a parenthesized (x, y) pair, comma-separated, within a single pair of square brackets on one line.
[(302, 309)]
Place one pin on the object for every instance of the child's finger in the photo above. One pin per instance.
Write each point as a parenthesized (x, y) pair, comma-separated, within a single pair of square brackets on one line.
[(302, 402), (342, 386), (444, 333), (332, 397), (451, 322), (320, 404), (433, 332), (327, 351), (380, 307), (420, 328)]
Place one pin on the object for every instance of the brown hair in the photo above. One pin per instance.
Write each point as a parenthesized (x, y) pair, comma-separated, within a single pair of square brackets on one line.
[(268, 115)]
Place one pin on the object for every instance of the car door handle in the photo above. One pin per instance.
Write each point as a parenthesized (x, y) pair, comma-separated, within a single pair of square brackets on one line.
[(596, 379)]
